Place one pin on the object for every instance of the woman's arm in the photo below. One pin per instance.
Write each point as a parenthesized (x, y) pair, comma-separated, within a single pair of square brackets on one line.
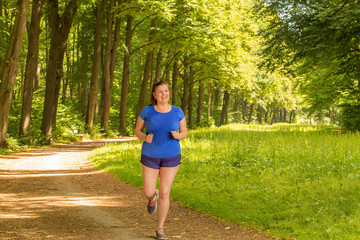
[(139, 131), (182, 134)]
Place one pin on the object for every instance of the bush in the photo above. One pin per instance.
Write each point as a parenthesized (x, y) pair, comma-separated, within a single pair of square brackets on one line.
[(350, 117)]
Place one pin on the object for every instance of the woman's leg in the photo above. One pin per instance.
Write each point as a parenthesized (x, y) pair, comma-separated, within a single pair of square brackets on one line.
[(167, 176), (150, 176)]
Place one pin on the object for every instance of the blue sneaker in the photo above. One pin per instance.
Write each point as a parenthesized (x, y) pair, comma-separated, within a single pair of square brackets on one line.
[(152, 204), (160, 234)]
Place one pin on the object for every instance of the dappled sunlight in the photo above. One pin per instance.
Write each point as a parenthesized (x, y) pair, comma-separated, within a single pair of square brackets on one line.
[(18, 174), (20, 206)]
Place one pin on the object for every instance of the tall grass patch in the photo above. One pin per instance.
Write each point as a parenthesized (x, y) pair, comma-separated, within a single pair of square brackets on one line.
[(297, 181)]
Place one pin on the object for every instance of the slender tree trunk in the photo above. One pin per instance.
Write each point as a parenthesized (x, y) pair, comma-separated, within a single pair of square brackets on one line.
[(224, 112), (116, 40), (59, 75), (31, 68), (273, 117), (126, 74), (158, 65), (174, 82), (10, 64), (37, 77), (107, 75), (251, 113), (237, 107), (168, 64), (94, 83), (291, 116), (260, 114), (66, 80), (200, 103), (217, 97), (147, 69), (185, 98), (244, 104), (191, 98), (59, 31), (209, 103), (285, 114)]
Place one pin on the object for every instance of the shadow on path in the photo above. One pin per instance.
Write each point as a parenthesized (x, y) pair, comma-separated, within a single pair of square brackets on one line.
[(54, 193)]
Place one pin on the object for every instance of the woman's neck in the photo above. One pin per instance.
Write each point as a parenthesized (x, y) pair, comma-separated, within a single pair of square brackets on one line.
[(165, 107)]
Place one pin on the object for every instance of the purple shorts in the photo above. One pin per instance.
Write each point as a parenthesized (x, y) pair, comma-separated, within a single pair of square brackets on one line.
[(157, 163)]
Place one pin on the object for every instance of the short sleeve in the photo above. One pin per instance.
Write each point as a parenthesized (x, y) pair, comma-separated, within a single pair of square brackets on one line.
[(144, 113), (181, 114)]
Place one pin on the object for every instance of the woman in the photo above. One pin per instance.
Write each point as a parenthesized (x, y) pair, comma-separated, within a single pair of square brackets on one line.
[(160, 154)]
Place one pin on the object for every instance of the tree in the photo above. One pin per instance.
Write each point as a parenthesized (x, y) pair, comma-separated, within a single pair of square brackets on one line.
[(147, 69), (317, 40), (126, 73), (93, 95), (31, 67), (10, 70), (59, 31)]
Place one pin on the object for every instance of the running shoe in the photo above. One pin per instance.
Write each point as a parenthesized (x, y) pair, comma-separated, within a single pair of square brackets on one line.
[(152, 204), (160, 234)]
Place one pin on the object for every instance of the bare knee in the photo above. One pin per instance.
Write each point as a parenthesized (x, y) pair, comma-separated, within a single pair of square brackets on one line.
[(164, 194), (149, 193)]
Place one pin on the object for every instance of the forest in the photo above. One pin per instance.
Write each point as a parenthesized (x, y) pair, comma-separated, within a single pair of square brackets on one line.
[(77, 66)]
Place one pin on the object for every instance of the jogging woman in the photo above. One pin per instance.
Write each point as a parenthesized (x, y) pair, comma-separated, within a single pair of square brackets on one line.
[(165, 125)]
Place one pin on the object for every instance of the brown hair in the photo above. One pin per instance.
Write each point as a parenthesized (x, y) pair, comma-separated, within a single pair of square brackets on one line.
[(154, 86)]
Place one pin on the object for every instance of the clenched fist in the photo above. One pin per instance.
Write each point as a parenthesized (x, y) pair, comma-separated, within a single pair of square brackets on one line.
[(149, 138)]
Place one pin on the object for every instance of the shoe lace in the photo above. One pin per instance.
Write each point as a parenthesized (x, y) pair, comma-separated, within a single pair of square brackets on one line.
[(160, 230)]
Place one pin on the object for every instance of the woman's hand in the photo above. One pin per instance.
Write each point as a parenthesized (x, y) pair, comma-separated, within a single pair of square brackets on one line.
[(175, 134), (182, 134), (149, 138)]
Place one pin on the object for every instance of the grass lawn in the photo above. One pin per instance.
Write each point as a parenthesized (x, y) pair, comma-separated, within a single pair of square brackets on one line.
[(291, 181)]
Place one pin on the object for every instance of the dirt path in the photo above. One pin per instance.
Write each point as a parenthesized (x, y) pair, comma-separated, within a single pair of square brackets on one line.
[(54, 193)]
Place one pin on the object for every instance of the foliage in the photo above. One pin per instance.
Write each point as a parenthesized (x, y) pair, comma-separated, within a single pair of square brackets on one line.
[(318, 42), (292, 181), (350, 118)]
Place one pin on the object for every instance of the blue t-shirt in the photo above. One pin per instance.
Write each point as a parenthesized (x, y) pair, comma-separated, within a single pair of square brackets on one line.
[(160, 124)]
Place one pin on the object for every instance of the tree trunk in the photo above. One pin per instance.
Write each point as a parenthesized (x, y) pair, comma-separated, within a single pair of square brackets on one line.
[(37, 77), (225, 107), (200, 103), (185, 98), (158, 65), (31, 68), (168, 64), (244, 104), (107, 71), (174, 82), (217, 97), (147, 69), (260, 115), (291, 116), (116, 40), (126, 74), (191, 98), (59, 31), (66, 80), (251, 113), (10, 64), (273, 117), (285, 114), (94, 83)]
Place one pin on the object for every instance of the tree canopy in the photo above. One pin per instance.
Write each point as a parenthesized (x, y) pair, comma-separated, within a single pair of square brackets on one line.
[(226, 61)]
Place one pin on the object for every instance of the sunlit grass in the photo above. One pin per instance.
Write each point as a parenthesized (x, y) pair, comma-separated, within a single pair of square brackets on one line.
[(297, 181)]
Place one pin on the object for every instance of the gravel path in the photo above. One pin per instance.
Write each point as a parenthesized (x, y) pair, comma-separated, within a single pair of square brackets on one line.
[(54, 193)]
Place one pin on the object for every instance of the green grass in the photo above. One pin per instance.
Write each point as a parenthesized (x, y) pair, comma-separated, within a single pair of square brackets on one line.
[(291, 181)]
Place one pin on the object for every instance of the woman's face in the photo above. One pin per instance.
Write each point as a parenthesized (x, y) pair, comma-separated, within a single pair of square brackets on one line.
[(162, 94)]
